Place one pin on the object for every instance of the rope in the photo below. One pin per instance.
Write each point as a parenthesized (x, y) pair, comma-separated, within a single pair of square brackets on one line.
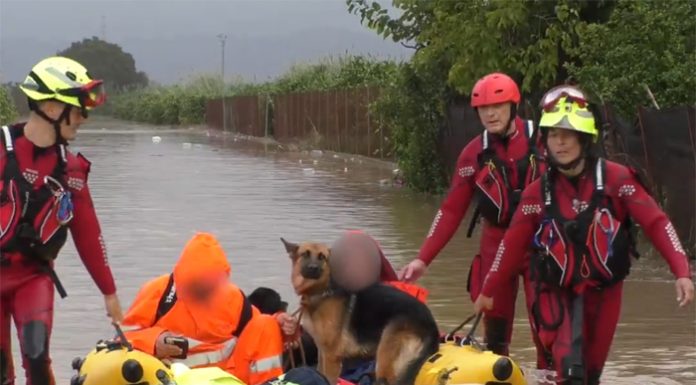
[(289, 348)]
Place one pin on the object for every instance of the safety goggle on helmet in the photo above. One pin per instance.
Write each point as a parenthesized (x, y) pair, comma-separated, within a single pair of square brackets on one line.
[(89, 95), (566, 107)]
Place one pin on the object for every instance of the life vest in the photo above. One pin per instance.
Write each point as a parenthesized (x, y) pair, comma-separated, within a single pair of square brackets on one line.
[(416, 291), (202, 353), (497, 198), (33, 221), (592, 250)]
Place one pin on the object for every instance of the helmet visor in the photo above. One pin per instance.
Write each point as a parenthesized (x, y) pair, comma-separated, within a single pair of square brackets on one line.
[(90, 95), (549, 100)]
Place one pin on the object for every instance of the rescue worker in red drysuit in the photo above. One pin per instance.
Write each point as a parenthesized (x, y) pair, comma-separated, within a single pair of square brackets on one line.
[(576, 222), (35, 163), (495, 167)]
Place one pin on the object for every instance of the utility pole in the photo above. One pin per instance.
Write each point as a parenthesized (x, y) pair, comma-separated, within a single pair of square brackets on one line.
[(103, 28), (222, 37)]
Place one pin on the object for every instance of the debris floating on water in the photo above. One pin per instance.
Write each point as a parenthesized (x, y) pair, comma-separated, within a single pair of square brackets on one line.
[(316, 162), (317, 153), (345, 169), (336, 156), (156, 139), (300, 161), (308, 171), (186, 145)]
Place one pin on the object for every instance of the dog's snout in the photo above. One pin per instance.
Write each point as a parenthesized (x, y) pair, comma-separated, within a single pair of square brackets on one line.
[(311, 271)]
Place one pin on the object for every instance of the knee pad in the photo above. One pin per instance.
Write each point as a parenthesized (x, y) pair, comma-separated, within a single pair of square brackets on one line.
[(496, 334), (35, 346)]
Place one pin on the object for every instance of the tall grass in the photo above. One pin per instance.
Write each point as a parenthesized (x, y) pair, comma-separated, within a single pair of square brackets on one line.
[(185, 103), (8, 111)]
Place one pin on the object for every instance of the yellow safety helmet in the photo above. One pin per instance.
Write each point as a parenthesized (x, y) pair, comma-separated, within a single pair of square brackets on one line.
[(65, 80), (112, 363), (567, 107)]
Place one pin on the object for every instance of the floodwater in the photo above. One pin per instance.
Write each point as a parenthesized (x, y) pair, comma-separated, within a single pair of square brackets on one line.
[(151, 197)]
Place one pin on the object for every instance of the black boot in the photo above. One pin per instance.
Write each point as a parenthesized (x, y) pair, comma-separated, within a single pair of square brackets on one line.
[(496, 331)]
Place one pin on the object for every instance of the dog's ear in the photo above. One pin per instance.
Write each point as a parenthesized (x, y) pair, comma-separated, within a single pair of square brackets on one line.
[(290, 247)]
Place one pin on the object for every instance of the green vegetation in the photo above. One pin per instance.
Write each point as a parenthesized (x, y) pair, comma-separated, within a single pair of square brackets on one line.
[(185, 104), (614, 48), (8, 112)]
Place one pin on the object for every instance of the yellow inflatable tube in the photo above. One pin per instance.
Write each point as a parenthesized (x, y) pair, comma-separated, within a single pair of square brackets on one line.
[(466, 365), (112, 363)]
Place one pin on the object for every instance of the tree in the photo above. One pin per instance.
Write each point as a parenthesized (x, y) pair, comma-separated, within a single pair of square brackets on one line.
[(645, 43), (107, 61), (530, 40)]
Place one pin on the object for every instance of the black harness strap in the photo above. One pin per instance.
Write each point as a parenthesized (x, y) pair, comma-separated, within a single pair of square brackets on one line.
[(167, 301), (574, 366), (245, 317)]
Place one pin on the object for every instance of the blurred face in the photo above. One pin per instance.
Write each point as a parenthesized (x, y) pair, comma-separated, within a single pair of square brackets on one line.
[(495, 117), (563, 145), (355, 264), (201, 289), (359, 272)]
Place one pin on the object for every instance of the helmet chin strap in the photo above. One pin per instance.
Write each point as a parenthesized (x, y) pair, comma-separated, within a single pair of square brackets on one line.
[(64, 117)]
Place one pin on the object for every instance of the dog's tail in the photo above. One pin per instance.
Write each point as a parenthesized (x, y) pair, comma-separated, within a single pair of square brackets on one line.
[(431, 344)]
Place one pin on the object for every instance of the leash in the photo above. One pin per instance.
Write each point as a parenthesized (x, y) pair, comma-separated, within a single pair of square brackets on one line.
[(470, 338), (299, 312)]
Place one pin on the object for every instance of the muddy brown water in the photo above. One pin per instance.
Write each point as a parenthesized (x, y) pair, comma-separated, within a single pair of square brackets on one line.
[(151, 198)]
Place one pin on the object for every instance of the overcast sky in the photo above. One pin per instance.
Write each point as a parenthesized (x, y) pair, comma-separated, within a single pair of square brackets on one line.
[(175, 39)]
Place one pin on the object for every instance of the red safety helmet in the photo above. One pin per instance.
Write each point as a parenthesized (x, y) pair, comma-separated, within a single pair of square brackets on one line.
[(495, 88)]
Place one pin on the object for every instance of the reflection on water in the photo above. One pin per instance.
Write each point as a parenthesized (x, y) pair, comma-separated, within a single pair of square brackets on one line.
[(152, 197)]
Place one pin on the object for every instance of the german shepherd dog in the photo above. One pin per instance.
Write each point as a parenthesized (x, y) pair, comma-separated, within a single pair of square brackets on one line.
[(380, 322)]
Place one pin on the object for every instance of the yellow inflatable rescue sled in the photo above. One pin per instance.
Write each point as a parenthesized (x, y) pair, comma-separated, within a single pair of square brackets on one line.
[(454, 364), (112, 363), (115, 362), (463, 361)]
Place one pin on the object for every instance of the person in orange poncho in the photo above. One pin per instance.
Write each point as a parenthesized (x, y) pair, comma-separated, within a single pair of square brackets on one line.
[(197, 303)]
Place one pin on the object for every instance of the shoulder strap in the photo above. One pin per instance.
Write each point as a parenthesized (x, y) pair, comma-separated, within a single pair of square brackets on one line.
[(168, 299), (530, 130), (600, 172), (11, 168), (7, 137), (244, 317)]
